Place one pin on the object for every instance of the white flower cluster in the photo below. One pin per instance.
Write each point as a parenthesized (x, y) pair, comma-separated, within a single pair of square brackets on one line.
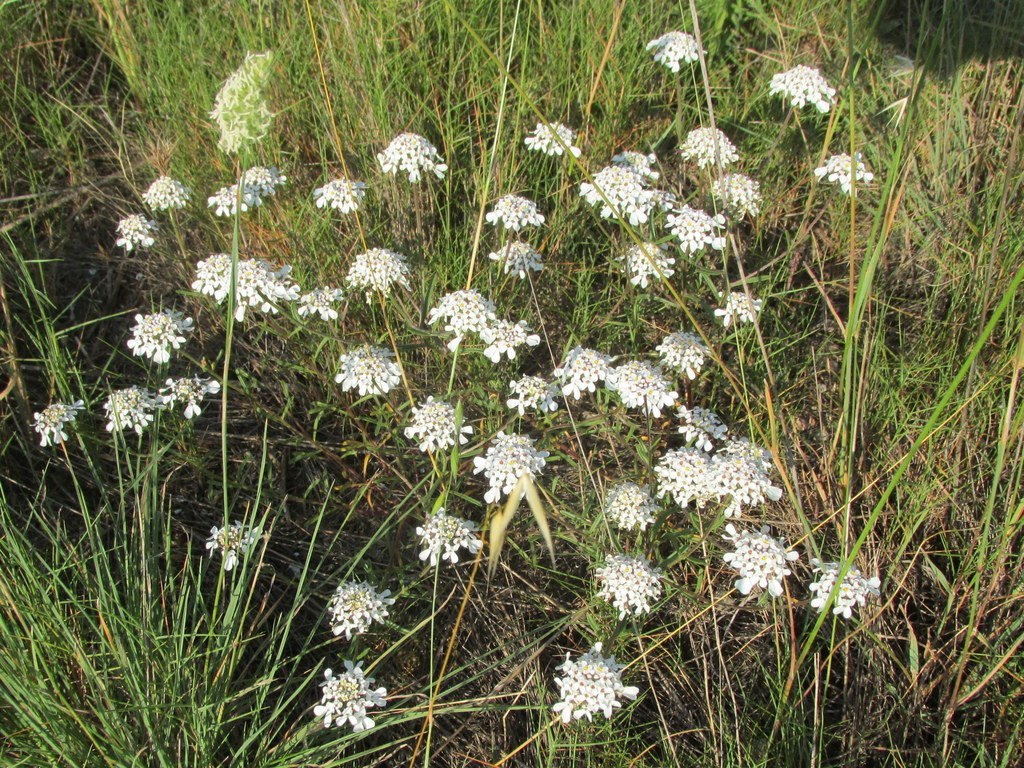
[(130, 408), (233, 541), (533, 393), (135, 231), (259, 285), (740, 195), (642, 385), (342, 195), (378, 270), (321, 301), (582, 370), (708, 148), (355, 606), (504, 337), (803, 85), (852, 591), (696, 230), (509, 457), (739, 472), (629, 584), (258, 183), (155, 335), (643, 262), (346, 698), (629, 506), (674, 47), (701, 427), (465, 312), (434, 426), (52, 420), (552, 139), (621, 194), (739, 308), (166, 194), (683, 352), (637, 162), (518, 257), (369, 369), (412, 155), (443, 535), (760, 560), (515, 212), (685, 475), (189, 391), (591, 684), (844, 170)]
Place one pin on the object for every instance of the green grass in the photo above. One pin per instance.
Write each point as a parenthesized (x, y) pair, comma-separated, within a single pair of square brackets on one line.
[(882, 375)]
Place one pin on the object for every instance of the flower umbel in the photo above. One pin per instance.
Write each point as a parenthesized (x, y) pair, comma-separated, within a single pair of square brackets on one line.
[(135, 231), (739, 308), (130, 408), (259, 285), (518, 258), (630, 506), (708, 148), (643, 386), (591, 684), (189, 391), (321, 301), (233, 541), (740, 195), (620, 193), (466, 312), (435, 427), (166, 194), (638, 163), (696, 230), (760, 560), (552, 139), (342, 195), (412, 155), (155, 335), (515, 213), (347, 697), (701, 426), (52, 420), (443, 535), (674, 47), (503, 338), (582, 370), (369, 369), (378, 269), (508, 458), (629, 584), (355, 606), (533, 393), (852, 591), (802, 86), (643, 262), (683, 352), (844, 170)]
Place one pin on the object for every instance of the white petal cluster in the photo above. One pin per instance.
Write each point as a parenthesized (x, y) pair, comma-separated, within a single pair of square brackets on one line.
[(51, 421), (533, 393), (621, 194), (642, 385), (739, 308), (378, 269), (342, 195), (411, 154), (683, 352), (630, 506), (347, 697), (189, 391), (552, 139), (259, 285), (130, 408), (639, 163), (166, 194), (844, 170), (708, 148), (515, 212), (225, 201), (589, 685), (644, 262), (760, 560), (518, 258), (504, 337), (629, 584), (804, 85), (740, 195), (465, 312), (232, 541), (674, 47), (701, 427), (696, 230), (321, 301), (434, 426), (443, 535), (135, 231), (258, 183), (509, 457), (355, 606), (582, 370), (739, 473), (852, 591), (155, 335), (369, 369), (685, 475)]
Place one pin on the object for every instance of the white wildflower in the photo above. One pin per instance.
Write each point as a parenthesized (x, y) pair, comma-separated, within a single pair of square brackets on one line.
[(514, 213), (50, 423), (552, 139), (643, 262), (533, 393), (465, 311), (342, 195), (378, 269), (135, 231), (629, 584), (760, 560), (518, 258), (639, 163), (740, 195), (642, 385), (155, 335), (739, 308), (369, 369), (582, 370), (685, 475), (696, 230), (852, 591), (508, 458), (130, 408), (233, 541), (189, 391), (165, 194), (708, 148), (435, 427), (589, 685), (844, 170), (701, 426), (804, 85), (240, 108), (260, 182), (621, 194), (739, 473), (259, 285), (683, 352), (355, 606), (321, 301), (630, 506), (674, 47), (412, 155), (503, 338), (443, 535), (346, 698)]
